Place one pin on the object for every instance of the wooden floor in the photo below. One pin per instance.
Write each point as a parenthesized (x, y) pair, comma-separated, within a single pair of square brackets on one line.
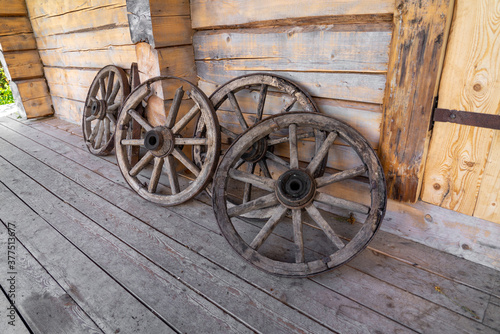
[(92, 257)]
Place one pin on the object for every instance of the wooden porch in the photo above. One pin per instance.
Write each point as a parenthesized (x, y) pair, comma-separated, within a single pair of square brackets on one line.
[(92, 256)]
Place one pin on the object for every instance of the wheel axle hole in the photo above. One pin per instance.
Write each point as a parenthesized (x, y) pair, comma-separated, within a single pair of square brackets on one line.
[(294, 185), (152, 141)]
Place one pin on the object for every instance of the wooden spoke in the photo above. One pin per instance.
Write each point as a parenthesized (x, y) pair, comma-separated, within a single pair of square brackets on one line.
[(114, 93), (179, 155), (133, 142), (237, 110), (262, 101), (285, 139), (239, 164), (323, 224), (294, 153), (139, 119), (191, 141), (321, 153), (155, 176), (340, 176), (185, 120), (141, 164), (106, 130), (341, 203), (268, 228), (228, 132), (95, 130), (275, 158), (297, 235), (174, 109), (114, 106), (265, 169), (102, 87), (90, 118), (289, 105), (247, 191), (257, 204), (111, 117), (172, 174), (100, 134), (111, 79)]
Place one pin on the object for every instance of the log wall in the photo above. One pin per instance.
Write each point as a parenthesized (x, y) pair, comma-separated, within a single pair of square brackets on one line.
[(75, 39), (19, 55)]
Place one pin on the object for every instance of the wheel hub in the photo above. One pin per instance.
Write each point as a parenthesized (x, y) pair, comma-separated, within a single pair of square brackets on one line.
[(256, 152), (98, 109), (160, 141), (295, 189)]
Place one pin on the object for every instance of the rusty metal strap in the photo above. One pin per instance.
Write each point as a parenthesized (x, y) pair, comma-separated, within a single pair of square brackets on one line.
[(467, 118)]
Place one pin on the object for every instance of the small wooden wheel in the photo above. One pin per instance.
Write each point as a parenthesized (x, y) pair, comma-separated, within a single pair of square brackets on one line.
[(102, 105), (305, 234), (244, 101), (170, 176)]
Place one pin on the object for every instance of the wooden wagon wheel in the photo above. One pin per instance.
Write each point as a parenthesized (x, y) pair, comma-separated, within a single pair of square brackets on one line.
[(245, 98), (288, 243), (104, 100), (164, 144)]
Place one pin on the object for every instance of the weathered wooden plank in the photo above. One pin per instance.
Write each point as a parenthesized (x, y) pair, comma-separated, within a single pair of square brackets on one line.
[(207, 14), (18, 42), (77, 77), (122, 56), (330, 48), (86, 41), (46, 8), (24, 64), (32, 89), (121, 262), (90, 17), (67, 109), (38, 107), (458, 154), (38, 296), (246, 302), (6, 326), (172, 30), (161, 8), (305, 295), (488, 200), (112, 308), (177, 61), (415, 57), (13, 8), (14, 26), (343, 86), (69, 91), (492, 316)]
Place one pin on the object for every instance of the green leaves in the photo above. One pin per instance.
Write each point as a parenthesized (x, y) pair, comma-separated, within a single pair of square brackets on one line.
[(5, 91)]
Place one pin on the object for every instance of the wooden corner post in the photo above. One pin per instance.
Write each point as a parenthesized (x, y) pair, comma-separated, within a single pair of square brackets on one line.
[(416, 55)]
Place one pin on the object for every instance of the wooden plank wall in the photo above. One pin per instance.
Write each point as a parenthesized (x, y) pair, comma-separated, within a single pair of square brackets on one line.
[(22, 60), (463, 168), (75, 39), (338, 51)]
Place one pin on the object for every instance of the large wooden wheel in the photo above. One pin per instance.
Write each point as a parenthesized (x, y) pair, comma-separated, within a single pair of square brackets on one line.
[(104, 100), (164, 174), (246, 100), (304, 234)]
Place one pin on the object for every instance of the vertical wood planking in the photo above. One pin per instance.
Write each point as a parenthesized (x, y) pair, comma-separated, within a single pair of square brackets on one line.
[(458, 154), (417, 45)]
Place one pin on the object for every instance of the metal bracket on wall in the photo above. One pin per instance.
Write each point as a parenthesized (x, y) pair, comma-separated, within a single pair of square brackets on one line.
[(467, 118)]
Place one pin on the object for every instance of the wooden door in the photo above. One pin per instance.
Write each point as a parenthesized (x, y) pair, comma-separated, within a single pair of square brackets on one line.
[(463, 165)]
